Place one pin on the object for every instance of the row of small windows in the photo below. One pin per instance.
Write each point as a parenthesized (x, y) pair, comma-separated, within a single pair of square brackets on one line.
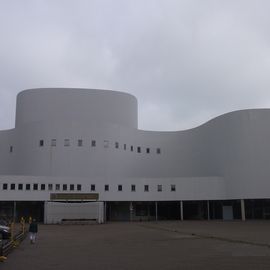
[(106, 145), (72, 187), (65, 187)]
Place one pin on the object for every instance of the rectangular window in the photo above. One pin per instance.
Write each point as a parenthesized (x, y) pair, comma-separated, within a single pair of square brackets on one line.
[(5, 186), (147, 150), (53, 142), (57, 186), (106, 187), (12, 186), (131, 148), (159, 188), (139, 149), (65, 187), (158, 151), (116, 145), (79, 187), (93, 187), (173, 188), (50, 186), (42, 186), (146, 188), (41, 143), (10, 149), (106, 144), (133, 188), (93, 143), (80, 142), (35, 186), (71, 187), (27, 186), (20, 187), (125, 147), (120, 188), (66, 142)]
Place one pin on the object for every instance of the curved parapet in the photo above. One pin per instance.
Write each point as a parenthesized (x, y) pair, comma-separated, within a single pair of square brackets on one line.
[(87, 106)]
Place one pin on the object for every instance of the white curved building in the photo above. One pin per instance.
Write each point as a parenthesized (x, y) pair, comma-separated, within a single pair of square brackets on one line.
[(78, 154)]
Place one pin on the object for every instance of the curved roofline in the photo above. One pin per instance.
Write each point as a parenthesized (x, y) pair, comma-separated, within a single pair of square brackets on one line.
[(208, 121), (75, 89)]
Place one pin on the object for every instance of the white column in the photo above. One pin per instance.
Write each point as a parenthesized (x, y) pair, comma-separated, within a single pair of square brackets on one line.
[(14, 211), (130, 211), (208, 211), (243, 214), (156, 211), (181, 211)]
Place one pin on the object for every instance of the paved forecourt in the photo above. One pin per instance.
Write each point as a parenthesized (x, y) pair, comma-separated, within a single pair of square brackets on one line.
[(146, 245)]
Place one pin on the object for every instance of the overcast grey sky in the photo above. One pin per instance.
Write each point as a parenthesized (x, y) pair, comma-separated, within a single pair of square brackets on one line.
[(186, 61)]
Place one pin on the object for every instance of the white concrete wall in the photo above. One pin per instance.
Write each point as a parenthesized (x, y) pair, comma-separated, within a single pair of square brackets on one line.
[(225, 158), (56, 212)]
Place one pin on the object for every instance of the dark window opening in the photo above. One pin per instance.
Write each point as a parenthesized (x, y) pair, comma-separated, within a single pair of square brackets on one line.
[(80, 142)]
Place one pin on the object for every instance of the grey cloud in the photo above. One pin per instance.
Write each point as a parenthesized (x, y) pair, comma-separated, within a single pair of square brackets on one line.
[(185, 61)]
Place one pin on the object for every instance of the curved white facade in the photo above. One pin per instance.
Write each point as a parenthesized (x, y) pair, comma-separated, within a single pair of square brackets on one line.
[(87, 141)]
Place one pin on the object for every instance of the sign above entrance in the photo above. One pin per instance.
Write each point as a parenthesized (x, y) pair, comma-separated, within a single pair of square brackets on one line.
[(74, 196)]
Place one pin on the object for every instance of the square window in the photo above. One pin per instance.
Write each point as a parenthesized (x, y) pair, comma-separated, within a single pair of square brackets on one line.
[(20, 187), (79, 187), (106, 144), (57, 186), (53, 142), (80, 142), (41, 143), (12, 186), (158, 151), (106, 187), (65, 187), (35, 186), (66, 142), (173, 188), (120, 188), (50, 186), (139, 149), (147, 150), (42, 186), (146, 188), (93, 143), (71, 187), (27, 186), (117, 145), (159, 188), (5, 186), (133, 188), (93, 187)]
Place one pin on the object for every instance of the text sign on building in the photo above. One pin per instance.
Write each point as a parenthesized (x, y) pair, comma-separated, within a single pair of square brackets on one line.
[(74, 196)]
